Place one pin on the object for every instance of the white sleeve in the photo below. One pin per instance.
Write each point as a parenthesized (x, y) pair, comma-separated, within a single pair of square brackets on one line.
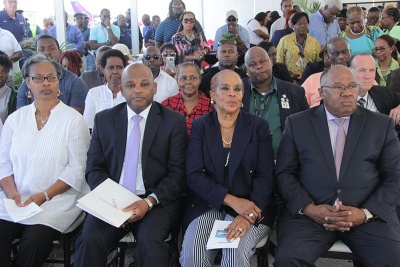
[(6, 168), (90, 109)]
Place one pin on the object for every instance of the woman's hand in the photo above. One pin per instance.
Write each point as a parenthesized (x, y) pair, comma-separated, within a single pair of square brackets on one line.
[(38, 198), (167, 70), (237, 228), (244, 207)]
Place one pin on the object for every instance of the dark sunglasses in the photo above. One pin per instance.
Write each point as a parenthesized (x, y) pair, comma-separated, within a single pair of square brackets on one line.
[(188, 20), (231, 19), (155, 56), (165, 54), (227, 41)]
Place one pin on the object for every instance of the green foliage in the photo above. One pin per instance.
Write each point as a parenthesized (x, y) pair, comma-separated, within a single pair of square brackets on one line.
[(227, 36), (308, 6), (17, 79)]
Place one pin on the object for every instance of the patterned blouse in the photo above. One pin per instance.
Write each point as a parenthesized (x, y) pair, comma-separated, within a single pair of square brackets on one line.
[(288, 53), (176, 103), (187, 47)]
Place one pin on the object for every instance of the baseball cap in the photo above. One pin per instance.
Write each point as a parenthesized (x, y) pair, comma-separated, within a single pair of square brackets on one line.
[(231, 13), (124, 49), (79, 14)]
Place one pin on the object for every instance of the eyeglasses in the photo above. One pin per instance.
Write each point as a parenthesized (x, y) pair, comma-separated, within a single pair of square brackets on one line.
[(231, 19), (373, 19), (148, 57), (178, 6), (40, 79), (106, 16), (188, 20), (227, 41), (341, 88), (337, 53), (165, 54), (380, 48), (185, 79)]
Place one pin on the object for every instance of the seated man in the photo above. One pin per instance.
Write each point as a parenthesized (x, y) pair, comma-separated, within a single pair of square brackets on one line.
[(338, 170), (227, 55), (166, 85), (95, 78), (73, 90), (155, 171)]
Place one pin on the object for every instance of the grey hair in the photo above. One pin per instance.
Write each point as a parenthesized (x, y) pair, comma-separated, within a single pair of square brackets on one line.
[(188, 64), (39, 59), (334, 3)]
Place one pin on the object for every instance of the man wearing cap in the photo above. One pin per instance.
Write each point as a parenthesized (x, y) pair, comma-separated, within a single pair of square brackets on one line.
[(12, 21), (80, 23), (74, 35), (323, 25), (104, 33), (232, 27), (125, 50)]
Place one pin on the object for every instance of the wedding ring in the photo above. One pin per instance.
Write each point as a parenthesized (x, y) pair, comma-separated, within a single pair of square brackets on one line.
[(240, 229), (251, 215)]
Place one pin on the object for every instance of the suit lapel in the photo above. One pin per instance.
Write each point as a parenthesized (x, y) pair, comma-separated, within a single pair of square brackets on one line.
[(241, 137), (320, 125), (121, 128), (214, 144), (357, 121), (246, 95), (152, 123), (284, 112)]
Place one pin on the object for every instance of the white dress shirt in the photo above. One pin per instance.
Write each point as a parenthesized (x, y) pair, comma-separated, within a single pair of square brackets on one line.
[(37, 159), (166, 87), (369, 103), (99, 98), (10, 45)]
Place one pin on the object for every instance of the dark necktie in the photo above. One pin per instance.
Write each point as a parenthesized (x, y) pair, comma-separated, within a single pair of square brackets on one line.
[(361, 102)]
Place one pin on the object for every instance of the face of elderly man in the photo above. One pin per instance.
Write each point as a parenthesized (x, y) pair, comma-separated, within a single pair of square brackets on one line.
[(363, 67), (339, 52), (138, 87), (259, 66), (339, 102)]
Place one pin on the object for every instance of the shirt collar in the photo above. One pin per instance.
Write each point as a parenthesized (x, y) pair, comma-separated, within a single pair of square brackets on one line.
[(272, 88), (365, 97), (330, 117), (144, 113)]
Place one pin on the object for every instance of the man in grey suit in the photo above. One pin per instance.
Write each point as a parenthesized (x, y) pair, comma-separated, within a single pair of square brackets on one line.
[(338, 169), (159, 172)]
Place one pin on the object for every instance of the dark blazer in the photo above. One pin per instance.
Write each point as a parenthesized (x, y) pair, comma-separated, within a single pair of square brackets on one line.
[(384, 99), (370, 169), (311, 68), (164, 144), (280, 71), (394, 85), (378, 78), (92, 78), (250, 165), (295, 94)]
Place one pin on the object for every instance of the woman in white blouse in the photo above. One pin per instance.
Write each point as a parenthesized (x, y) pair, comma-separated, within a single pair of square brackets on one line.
[(43, 150), (257, 30), (108, 95)]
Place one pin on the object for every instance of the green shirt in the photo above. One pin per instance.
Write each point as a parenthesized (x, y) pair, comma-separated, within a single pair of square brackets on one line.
[(383, 78), (267, 107)]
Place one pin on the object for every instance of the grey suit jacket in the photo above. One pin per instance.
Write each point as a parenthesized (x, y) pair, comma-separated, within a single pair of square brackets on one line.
[(370, 169)]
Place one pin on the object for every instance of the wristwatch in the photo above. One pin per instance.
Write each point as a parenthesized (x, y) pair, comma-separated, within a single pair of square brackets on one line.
[(151, 205), (108, 27), (368, 216)]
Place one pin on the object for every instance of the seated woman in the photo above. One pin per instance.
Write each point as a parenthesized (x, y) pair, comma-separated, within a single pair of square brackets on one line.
[(42, 160), (390, 24), (8, 96), (295, 50), (107, 95), (386, 59), (190, 101), (361, 38), (70, 60), (229, 170), (279, 70), (189, 41), (287, 30), (169, 50), (257, 29)]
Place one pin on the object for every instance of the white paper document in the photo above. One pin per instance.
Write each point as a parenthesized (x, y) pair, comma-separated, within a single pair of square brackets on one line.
[(217, 237), (18, 214), (106, 202)]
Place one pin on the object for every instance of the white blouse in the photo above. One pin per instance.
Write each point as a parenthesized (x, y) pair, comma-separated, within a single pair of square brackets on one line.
[(37, 159), (99, 98), (251, 27)]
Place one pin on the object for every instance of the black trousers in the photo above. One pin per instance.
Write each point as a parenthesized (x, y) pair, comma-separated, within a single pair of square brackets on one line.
[(35, 243), (301, 241), (98, 237)]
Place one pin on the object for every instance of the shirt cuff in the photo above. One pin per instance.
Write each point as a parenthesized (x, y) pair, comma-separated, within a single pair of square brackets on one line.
[(155, 197)]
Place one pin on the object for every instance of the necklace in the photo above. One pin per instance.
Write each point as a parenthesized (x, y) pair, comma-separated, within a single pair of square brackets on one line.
[(43, 121), (382, 70), (227, 158), (357, 33), (226, 143)]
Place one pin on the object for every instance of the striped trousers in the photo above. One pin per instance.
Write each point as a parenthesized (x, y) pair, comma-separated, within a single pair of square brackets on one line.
[(194, 252)]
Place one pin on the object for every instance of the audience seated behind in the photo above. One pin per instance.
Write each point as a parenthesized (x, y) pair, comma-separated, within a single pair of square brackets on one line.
[(96, 77)]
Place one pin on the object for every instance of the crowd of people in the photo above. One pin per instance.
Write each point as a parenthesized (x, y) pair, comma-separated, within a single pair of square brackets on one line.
[(300, 115)]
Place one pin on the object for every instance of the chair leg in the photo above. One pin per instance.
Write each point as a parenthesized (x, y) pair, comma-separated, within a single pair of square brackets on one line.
[(121, 257)]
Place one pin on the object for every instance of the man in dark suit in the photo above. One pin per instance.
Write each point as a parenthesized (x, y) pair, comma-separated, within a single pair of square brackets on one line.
[(268, 97), (338, 169), (160, 171), (373, 97), (395, 81)]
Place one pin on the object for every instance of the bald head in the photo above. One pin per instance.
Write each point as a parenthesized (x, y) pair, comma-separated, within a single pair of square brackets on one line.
[(259, 67)]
